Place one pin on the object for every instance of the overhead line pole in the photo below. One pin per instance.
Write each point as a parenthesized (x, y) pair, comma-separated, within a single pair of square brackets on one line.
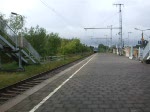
[(111, 33), (120, 24)]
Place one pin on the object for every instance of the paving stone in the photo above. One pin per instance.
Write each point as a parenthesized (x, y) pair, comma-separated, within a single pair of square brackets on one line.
[(72, 110), (87, 102), (59, 105), (98, 110), (92, 106), (128, 105), (60, 110), (147, 109), (123, 110), (136, 110), (113, 105), (139, 105), (104, 106), (85, 110), (111, 110)]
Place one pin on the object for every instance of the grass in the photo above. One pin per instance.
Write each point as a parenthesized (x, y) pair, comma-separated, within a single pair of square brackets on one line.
[(9, 78)]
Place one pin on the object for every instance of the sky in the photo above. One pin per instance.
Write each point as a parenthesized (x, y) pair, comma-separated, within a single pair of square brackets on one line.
[(70, 17)]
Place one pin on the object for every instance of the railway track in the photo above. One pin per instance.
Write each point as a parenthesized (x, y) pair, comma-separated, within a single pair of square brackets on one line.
[(11, 91)]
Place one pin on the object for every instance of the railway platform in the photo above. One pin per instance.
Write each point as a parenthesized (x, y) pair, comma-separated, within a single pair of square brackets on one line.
[(100, 83)]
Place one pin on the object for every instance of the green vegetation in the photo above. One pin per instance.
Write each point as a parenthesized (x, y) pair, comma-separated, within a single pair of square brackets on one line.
[(102, 48), (46, 44), (16, 22), (52, 44), (9, 78)]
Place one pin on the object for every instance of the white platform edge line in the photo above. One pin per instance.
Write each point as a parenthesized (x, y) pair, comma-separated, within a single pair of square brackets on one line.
[(51, 94)]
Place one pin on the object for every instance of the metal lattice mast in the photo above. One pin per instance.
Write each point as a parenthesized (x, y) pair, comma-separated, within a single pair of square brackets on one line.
[(120, 25)]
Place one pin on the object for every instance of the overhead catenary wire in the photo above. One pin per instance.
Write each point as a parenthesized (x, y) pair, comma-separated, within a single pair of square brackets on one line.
[(57, 13), (53, 10), (106, 20)]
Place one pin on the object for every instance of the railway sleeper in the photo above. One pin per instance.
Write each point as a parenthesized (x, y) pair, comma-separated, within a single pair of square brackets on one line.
[(44, 77), (1, 103), (23, 87), (28, 85), (32, 83), (8, 95), (19, 89), (13, 92), (36, 81), (3, 99), (40, 79)]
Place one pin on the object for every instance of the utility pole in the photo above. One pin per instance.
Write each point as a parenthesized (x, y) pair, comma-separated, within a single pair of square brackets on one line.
[(120, 25), (21, 43)]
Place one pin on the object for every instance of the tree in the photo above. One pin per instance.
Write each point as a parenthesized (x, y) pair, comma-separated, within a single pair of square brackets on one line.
[(102, 48), (3, 23), (16, 22), (37, 37), (53, 44), (73, 46)]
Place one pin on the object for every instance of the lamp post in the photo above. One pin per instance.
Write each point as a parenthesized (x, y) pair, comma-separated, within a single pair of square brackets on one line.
[(106, 43), (16, 37), (20, 60)]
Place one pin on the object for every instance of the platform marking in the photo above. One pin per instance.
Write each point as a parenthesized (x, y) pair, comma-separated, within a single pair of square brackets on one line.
[(51, 94)]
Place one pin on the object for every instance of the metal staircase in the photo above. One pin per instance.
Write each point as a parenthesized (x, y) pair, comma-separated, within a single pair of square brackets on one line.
[(9, 45), (146, 52)]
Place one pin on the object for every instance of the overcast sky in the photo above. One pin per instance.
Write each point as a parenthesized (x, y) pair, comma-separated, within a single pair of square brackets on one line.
[(69, 17)]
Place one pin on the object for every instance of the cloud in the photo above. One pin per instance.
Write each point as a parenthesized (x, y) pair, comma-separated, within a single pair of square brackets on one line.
[(69, 17)]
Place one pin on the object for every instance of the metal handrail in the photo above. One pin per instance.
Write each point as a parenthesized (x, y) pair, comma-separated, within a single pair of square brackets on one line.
[(8, 31), (14, 39), (28, 46)]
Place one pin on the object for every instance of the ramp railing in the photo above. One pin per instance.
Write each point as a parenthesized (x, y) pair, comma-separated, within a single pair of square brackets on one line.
[(146, 51)]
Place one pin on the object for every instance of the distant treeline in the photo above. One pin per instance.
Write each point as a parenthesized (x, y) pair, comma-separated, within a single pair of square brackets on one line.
[(102, 48), (53, 44)]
